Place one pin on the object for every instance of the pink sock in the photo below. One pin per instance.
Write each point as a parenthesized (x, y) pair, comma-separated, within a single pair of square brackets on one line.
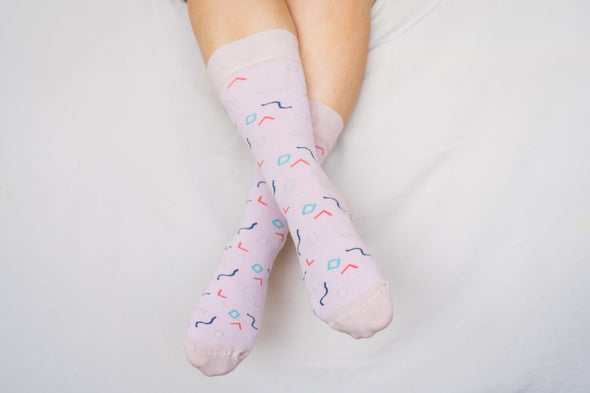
[(265, 96)]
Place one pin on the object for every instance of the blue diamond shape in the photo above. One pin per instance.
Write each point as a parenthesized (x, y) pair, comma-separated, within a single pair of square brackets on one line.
[(250, 118), (278, 223), (234, 314), (284, 158), (257, 268), (333, 263), (308, 208)]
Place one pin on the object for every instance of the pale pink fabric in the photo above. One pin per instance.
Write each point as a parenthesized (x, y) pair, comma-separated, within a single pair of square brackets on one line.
[(265, 97)]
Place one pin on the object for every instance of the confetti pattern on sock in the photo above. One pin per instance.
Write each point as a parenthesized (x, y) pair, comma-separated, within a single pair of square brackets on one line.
[(267, 102), (269, 106)]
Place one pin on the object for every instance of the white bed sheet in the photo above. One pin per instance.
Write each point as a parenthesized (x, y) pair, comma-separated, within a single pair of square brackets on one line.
[(466, 161)]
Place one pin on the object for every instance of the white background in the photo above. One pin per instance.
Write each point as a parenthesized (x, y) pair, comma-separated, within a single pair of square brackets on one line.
[(467, 162)]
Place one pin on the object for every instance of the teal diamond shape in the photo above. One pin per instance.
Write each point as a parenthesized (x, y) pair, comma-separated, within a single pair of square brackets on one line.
[(251, 118), (333, 263), (308, 208), (283, 159), (234, 314), (278, 223), (257, 268)]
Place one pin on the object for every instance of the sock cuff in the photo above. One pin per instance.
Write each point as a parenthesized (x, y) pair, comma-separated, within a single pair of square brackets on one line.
[(327, 123), (250, 50)]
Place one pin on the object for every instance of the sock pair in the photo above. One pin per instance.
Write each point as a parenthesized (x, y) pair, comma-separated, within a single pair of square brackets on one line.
[(261, 85)]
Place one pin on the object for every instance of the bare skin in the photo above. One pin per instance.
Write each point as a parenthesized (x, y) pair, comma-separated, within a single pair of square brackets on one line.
[(333, 38)]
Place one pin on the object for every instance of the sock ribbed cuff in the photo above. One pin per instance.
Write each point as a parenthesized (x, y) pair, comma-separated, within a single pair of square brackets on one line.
[(250, 50), (327, 123)]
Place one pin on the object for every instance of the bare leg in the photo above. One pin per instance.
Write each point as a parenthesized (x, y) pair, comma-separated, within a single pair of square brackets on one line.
[(219, 22), (333, 41), (333, 38)]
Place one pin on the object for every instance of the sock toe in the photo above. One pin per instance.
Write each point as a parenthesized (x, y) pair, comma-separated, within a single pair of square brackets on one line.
[(366, 315), (213, 360)]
